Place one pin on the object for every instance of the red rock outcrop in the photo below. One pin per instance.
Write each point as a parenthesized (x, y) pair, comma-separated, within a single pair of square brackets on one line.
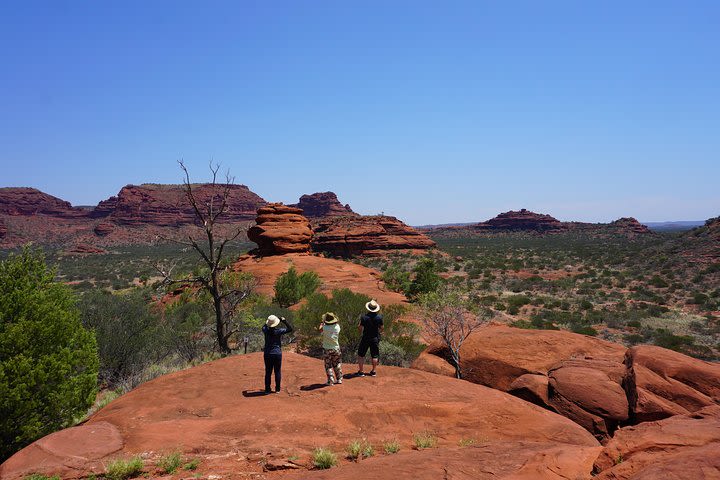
[(217, 412), (3, 228), (323, 204), (167, 205), (280, 229), (21, 201), (366, 235), (681, 447), (522, 220), (104, 228), (629, 225)]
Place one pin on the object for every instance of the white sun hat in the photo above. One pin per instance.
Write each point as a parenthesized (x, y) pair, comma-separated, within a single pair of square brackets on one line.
[(272, 321), (372, 306)]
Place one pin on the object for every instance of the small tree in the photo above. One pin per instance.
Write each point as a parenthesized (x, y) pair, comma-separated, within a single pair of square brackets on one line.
[(448, 314), (48, 361), (290, 287), (227, 289), (426, 278)]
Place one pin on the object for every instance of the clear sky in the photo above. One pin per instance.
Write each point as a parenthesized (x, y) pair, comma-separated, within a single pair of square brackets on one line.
[(436, 112)]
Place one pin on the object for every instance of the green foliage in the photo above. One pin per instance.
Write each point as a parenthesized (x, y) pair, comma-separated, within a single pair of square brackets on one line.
[(48, 361), (192, 464), (170, 463), (290, 287), (37, 476), (124, 469), (397, 279), (359, 449), (424, 440), (391, 446), (129, 334), (398, 337), (426, 278), (324, 458)]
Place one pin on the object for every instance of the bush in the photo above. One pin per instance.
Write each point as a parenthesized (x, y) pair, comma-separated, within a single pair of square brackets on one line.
[(48, 361), (426, 278), (397, 279), (424, 440), (124, 469), (290, 287), (391, 446), (359, 449), (323, 458), (170, 463), (348, 306)]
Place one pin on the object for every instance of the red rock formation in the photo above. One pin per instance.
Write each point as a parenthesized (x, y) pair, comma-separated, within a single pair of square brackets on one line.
[(84, 249), (3, 229), (104, 228), (20, 201), (167, 205), (323, 204), (629, 225), (366, 235), (280, 229), (681, 447), (522, 220)]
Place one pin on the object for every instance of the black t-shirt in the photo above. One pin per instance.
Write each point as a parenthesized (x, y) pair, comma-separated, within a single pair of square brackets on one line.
[(371, 323)]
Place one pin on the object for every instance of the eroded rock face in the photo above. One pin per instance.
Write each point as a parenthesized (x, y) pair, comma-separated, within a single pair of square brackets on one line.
[(681, 447), (21, 201), (104, 228), (323, 204), (167, 205), (281, 229), (366, 235), (3, 229), (522, 220), (629, 225)]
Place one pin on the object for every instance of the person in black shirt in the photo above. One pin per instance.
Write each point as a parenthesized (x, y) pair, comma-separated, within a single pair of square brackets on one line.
[(371, 326), (272, 352)]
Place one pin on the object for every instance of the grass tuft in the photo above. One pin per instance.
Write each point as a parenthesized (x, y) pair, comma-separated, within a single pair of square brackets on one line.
[(170, 463), (124, 469), (359, 449), (391, 446), (323, 458), (424, 440)]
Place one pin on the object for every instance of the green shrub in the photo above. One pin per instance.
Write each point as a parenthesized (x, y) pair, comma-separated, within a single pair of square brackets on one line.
[(192, 464), (391, 446), (37, 476), (48, 361), (170, 463), (397, 279), (124, 469), (359, 449), (323, 458), (426, 277), (290, 287), (424, 440)]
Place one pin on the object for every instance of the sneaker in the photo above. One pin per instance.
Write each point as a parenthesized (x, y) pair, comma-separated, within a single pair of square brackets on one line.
[(360, 374), (330, 383), (268, 391), (373, 373), (339, 382), (277, 391)]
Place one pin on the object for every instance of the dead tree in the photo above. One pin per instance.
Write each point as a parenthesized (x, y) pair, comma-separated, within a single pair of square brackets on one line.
[(227, 289), (448, 315)]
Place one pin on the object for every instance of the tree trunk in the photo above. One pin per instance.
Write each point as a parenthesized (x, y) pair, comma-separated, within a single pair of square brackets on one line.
[(456, 364)]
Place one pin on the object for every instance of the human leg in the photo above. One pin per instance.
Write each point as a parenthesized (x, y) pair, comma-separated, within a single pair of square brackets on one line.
[(328, 360), (362, 350), (277, 366), (268, 372), (375, 354)]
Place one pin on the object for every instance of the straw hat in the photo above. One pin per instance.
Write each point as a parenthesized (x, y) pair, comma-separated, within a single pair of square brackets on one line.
[(272, 321), (329, 318), (372, 306)]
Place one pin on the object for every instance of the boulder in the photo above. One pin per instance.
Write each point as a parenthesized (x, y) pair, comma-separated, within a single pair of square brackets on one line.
[(323, 204), (280, 229), (680, 447), (366, 235)]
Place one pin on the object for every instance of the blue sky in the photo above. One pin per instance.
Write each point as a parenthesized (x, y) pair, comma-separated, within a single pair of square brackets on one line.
[(431, 111)]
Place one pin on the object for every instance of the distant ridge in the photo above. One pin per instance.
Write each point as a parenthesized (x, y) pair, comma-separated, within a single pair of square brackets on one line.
[(675, 225)]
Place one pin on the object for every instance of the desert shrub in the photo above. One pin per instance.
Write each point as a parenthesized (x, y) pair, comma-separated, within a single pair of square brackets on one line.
[(658, 282), (398, 337), (192, 464), (514, 302), (666, 339), (633, 339), (424, 440), (700, 298), (170, 463), (124, 469), (128, 332), (426, 277), (391, 446), (48, 361), (323, 458), (37, 476), (584, 330), (359, 449), (397, 279), (185, 321), (290, 287)]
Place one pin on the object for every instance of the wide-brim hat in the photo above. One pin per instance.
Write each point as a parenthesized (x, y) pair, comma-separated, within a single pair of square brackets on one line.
[(372, 306), (329, 318), (272, 321)]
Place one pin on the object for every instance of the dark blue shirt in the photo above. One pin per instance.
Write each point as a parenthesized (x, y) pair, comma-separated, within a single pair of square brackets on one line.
[(371, 323), (273, 338)]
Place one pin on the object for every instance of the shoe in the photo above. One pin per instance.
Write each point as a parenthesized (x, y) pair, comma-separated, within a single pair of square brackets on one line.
[(268, 391), (330, 383), (360, 374), (373, 373), (277, 391), (339, 382)]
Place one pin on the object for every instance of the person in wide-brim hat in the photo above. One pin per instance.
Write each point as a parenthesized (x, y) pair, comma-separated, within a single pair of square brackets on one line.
[(272, 351), (372, 306), (331, 348), (272, 321)]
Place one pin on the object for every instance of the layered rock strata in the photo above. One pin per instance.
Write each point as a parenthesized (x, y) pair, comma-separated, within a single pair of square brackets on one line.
[(322, 205), (280, 229)]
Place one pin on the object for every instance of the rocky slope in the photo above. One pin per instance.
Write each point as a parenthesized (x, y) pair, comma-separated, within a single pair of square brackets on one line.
[(322, 205), (366, 235), (280, 229), (597, 384), (20, 201), (217, 412)]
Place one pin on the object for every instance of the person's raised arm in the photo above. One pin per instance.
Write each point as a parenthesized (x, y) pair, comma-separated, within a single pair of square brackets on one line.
[(289, 326)]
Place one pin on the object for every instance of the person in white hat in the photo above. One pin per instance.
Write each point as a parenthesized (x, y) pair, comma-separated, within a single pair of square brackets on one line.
[(331, 348), (272, 351), (371, 327)]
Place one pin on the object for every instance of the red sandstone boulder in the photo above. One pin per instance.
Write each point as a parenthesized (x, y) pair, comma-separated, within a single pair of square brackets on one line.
[(366, 235), (104, 228), (280, 229), (680, 447), (663, 383), (323, 204)]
